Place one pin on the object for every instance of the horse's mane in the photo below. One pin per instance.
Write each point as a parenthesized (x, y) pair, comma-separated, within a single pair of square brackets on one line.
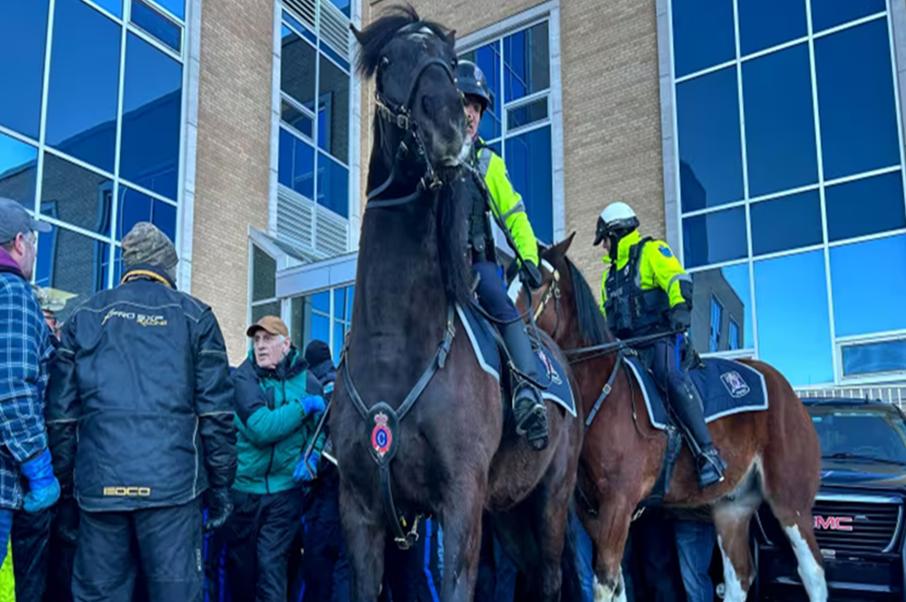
[(453, 203), (378, 34), (591, 322)]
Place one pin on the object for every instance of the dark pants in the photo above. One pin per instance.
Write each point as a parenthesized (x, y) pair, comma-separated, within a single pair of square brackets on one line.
[(695, 546), (164, 543), (259, 536), (415, 575), (658, 565), (325, 566), (492, 292), (31, 553), (665, 359)]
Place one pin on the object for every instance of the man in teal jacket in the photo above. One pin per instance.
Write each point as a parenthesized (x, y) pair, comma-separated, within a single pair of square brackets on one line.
[(278, 405)]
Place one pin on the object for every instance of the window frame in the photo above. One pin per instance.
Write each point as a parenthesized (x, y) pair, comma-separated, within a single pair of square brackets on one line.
[(871, 377)]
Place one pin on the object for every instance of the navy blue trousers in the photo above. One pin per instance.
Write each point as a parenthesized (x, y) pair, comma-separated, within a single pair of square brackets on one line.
[(492, 292)]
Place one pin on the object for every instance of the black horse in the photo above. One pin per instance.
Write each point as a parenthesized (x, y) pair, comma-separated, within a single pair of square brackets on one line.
[(453, 447)]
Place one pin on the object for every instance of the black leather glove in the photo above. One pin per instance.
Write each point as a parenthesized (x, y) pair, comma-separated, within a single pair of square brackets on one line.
[(680, 318), (220, 506), (532, 274)]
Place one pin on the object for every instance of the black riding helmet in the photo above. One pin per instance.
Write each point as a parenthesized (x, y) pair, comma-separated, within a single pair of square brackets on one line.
[(471, 81)]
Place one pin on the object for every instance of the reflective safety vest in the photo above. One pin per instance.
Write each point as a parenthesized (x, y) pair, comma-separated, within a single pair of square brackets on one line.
[(638, 292)]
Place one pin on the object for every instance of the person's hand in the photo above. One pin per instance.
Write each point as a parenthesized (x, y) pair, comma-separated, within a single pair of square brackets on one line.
[(307, 471), (680, 318), (43, 487), (312, 404), (220, 507), (532, 274)]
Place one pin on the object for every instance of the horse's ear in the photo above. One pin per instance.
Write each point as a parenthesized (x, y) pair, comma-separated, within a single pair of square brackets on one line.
[(451, 35), (357, 34), (556, 254)]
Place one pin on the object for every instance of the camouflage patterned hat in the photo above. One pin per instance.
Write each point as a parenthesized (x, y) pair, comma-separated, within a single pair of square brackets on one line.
[(146, 244)]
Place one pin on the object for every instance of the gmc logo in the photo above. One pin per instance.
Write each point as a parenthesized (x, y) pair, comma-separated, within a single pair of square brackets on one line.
[(833, 523)]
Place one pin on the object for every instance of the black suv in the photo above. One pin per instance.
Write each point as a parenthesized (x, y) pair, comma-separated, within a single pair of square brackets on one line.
[(858, 511)]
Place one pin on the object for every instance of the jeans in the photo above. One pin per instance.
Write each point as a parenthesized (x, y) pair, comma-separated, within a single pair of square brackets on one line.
[(584, 563), (695, 546)]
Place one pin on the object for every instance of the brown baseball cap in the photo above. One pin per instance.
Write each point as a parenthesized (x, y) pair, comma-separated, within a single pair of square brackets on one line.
[(269, 324)]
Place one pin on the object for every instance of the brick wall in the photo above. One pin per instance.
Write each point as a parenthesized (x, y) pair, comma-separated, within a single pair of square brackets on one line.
[(232, 171)]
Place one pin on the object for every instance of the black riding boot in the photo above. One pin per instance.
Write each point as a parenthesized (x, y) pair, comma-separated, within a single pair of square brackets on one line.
[(687, 406), (528, 407)]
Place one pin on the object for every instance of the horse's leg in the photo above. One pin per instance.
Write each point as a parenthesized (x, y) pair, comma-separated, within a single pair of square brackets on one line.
[(365, 537), (462, 540), (732, 521), (609, 531)]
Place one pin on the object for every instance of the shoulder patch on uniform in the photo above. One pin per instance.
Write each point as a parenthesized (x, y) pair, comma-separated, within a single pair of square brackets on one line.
[(665, 251)]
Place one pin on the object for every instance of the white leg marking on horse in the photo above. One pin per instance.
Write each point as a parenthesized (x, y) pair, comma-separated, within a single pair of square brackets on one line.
[(604, 593), (622, 596), (734, 591), (811, 573)]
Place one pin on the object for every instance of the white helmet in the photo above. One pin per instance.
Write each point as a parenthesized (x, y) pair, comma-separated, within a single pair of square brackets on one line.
[(616, 217)]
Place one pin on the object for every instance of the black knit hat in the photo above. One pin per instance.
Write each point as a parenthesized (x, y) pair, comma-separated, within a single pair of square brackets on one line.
[(317, 352)]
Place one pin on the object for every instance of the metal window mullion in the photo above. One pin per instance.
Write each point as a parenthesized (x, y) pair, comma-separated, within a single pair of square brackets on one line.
[(114, 201), (147, 37), (526, 100), (866, 237), (788, 252), (316, 128), (680, 251), (847, 25), (103, 11), (718, 266), (535, 125), (42, 124), (861, 176), (287, 98), (896, 93), (715, 209), (503, 114), (821, 192)]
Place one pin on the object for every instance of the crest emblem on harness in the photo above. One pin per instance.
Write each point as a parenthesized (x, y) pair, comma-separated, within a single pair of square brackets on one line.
[(381, 435), (549, 366), (735, 384)]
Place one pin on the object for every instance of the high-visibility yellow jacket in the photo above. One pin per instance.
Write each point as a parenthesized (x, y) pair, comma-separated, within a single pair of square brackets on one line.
[(506, 203)]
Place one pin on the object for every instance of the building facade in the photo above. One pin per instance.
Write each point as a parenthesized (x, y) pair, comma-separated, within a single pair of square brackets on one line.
[(762, 139)]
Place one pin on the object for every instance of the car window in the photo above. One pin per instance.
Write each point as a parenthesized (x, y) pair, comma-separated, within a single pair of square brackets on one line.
[(877, 435)]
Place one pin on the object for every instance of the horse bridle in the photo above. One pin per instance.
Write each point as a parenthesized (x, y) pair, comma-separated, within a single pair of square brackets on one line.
[(400, 116)]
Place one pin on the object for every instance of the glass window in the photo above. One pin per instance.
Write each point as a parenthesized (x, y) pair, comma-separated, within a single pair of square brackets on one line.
[(135, 207), (71, 263), (528, 157), (865, 206), (702, 34), (76, 195), (117, 265), (780, 128), (300, 322), (152, 100), (333, 111), (350, 297), (526, 59), (793, 325), (320, 328), (23, 35), (296, 165), (874, 358), (729, 288), (265, 309), (296, 118), (305, 31), (264, 275), (333, 185), (339, 332), (114, 7), (830, 13), (527, 114), (18, 170), (321, 302), (84, 75), (714, 237), (715, 339), (868, 286), (297, 68), (156, 24), (767, 23), (856, 100), (707, 110), (176, 7), (488, 60), (786, 223), (339, 303)]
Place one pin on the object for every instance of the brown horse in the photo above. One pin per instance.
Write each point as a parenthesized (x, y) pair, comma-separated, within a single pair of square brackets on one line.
[(436, 441), (773, 455)]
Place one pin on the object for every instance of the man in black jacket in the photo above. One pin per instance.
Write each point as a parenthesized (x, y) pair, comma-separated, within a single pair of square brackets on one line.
[(141, 399)]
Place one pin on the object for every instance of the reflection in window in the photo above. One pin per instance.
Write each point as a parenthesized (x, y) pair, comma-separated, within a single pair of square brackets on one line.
[(18, 169), (23, 35), (728, 288), (320, 327), (156, 24), (780, 128), (81, 105), (702, 34), (865, 206), (526, 59), (868, 286), (151, 118), (528, 158), (296, 168), (786, 223), (487, 58), (333, 185), (707, 110), (264, 276), (714, 237), (76, 195), (856, 100), (527, 114), (333, 104), (72, 263), (265, 309), (135, 207), (767, 23), (793, 320), (830, 13), (296, 118), (874, 358), (297, 68)]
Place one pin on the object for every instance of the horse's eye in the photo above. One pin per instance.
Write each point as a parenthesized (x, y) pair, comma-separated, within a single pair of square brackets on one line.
[(385, 62)]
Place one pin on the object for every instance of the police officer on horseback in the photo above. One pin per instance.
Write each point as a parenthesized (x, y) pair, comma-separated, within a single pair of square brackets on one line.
[(503, 204), (645, 291)]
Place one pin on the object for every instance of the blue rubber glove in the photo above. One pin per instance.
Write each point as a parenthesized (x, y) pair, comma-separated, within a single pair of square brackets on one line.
[(313, 404), (44, 489), (301, 473)]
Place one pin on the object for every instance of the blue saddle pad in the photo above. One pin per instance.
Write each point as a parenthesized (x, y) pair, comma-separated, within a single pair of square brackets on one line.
[(489, 358), (726, 387)]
